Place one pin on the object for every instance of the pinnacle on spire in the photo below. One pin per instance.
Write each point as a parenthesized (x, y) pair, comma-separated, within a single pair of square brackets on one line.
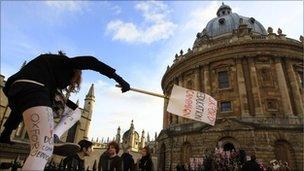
[(91, 92), (24, 63), (223, 10), (132, 124), (148, 137)]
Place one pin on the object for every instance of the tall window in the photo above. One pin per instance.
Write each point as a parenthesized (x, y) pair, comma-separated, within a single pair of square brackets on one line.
[(223, 79), (189, 84), (272, 105), (266, 77), (226, 106)]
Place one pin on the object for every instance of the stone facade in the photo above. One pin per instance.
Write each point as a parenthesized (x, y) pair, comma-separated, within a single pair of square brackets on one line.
[(257, 80)]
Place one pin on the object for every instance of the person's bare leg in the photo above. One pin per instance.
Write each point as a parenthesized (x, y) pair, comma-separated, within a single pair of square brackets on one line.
[(39, 126)]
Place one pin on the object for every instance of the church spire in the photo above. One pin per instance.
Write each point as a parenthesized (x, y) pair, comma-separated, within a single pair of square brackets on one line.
[(24, 63), (132, 126), (118, 135), (148, 137), (88, 108), (142, 142), (91, 92)]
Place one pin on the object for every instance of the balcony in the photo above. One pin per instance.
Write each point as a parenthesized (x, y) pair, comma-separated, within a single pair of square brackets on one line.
[(291, 121)]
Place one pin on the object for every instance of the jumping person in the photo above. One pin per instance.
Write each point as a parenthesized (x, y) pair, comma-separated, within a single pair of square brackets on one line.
[(31, 93)]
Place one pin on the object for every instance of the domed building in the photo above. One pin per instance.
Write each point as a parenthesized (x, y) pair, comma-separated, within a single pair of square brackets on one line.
[(131, 139), (257, 78)]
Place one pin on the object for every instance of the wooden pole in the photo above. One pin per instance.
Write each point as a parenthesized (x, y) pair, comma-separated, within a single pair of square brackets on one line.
[(146, 92)]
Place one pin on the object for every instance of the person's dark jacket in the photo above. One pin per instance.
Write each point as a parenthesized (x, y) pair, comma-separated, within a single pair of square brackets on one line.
[(145, 163), (128, 162), (102, 163), (73, 163), (56, 71), (107, 163), (251, 165)]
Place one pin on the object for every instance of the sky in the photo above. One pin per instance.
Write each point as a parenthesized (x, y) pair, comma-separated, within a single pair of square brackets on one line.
[(137, 38)]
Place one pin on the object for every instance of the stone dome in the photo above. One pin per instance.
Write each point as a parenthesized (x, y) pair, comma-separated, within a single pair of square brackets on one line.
[(226, 22), (128, 133)]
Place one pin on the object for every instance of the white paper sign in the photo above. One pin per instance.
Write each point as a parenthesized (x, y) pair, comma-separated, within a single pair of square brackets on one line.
[(193, 105)]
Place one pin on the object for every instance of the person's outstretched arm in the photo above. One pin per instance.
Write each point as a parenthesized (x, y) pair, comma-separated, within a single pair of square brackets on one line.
[(91, 63)]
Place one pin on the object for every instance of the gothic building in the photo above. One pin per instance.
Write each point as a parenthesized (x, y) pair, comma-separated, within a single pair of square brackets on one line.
[(131, 139), (257, 78), (78, 132)]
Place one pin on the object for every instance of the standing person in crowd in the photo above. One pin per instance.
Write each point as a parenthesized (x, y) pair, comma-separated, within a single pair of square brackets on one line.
[(127, 160), (110, 161), (251, 165), (103, 159), (145, 163), (31, 95), (76, 161)]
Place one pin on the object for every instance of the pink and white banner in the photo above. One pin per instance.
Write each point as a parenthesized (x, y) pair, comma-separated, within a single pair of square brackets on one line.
[(193, 105)]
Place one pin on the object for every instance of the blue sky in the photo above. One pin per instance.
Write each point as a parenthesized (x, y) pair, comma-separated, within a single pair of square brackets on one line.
[(138, 38)]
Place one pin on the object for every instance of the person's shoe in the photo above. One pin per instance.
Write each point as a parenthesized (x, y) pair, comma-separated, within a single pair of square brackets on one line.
[(64, 148), (6, 139)]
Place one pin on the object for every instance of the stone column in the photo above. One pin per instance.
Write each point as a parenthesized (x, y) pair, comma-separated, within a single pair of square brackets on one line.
[(180, 119), (197, 78), (242, 89), (286, 105), (207, 88), (166, 114), (295, 89), (255, 88)]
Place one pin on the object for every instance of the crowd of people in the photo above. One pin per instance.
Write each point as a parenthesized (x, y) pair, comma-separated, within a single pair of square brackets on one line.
[(220, 160), (109, 160)]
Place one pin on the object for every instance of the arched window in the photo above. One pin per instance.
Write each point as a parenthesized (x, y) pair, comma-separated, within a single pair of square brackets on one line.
[(72, 133), (228, 147)]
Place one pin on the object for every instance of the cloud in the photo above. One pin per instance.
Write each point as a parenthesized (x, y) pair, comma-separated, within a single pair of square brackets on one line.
[(156, 25), (116, 9), (71, 6), (124, 31), (201, 15)]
